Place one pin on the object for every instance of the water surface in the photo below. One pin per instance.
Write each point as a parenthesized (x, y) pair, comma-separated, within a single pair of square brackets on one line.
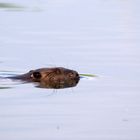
[(93, 37)]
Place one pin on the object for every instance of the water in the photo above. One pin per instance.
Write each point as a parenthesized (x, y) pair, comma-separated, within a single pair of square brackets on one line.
[(93, 37)]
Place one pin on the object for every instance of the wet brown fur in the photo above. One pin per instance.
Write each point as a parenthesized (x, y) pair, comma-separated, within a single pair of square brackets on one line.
[(57, 77)]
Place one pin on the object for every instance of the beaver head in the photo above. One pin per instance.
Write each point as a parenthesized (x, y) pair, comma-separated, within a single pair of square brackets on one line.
[(57, 77)]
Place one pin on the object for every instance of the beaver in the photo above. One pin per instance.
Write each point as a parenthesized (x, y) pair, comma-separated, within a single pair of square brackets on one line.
[(57, 77)]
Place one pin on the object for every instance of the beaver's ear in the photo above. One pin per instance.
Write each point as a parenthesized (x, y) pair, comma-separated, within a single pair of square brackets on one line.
[(36, 75)]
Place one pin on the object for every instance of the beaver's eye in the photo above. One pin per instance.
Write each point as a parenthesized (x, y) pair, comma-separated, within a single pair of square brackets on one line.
[(37, 75), (71, 74)]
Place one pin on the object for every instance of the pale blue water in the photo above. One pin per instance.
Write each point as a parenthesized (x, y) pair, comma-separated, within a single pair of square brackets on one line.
[(94, 37)]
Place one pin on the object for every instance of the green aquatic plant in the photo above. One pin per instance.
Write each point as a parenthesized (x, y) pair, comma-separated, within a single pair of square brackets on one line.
[(10, 6), (88, 75), (16, 7)]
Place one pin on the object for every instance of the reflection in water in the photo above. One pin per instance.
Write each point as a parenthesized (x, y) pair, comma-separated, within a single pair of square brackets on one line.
[(59, 85), (5, 87), (50, 85)]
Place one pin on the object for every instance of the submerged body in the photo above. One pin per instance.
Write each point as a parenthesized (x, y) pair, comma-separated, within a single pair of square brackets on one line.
[(57, 77)]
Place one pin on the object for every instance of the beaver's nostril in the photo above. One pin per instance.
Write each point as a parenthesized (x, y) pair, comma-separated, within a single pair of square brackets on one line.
[(77, 75), (36, 75)]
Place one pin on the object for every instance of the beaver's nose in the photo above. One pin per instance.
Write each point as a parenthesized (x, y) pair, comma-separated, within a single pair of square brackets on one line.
[(77, 75)]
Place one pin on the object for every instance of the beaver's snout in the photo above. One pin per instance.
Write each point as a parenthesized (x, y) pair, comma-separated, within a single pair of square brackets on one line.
[(73, 75)]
